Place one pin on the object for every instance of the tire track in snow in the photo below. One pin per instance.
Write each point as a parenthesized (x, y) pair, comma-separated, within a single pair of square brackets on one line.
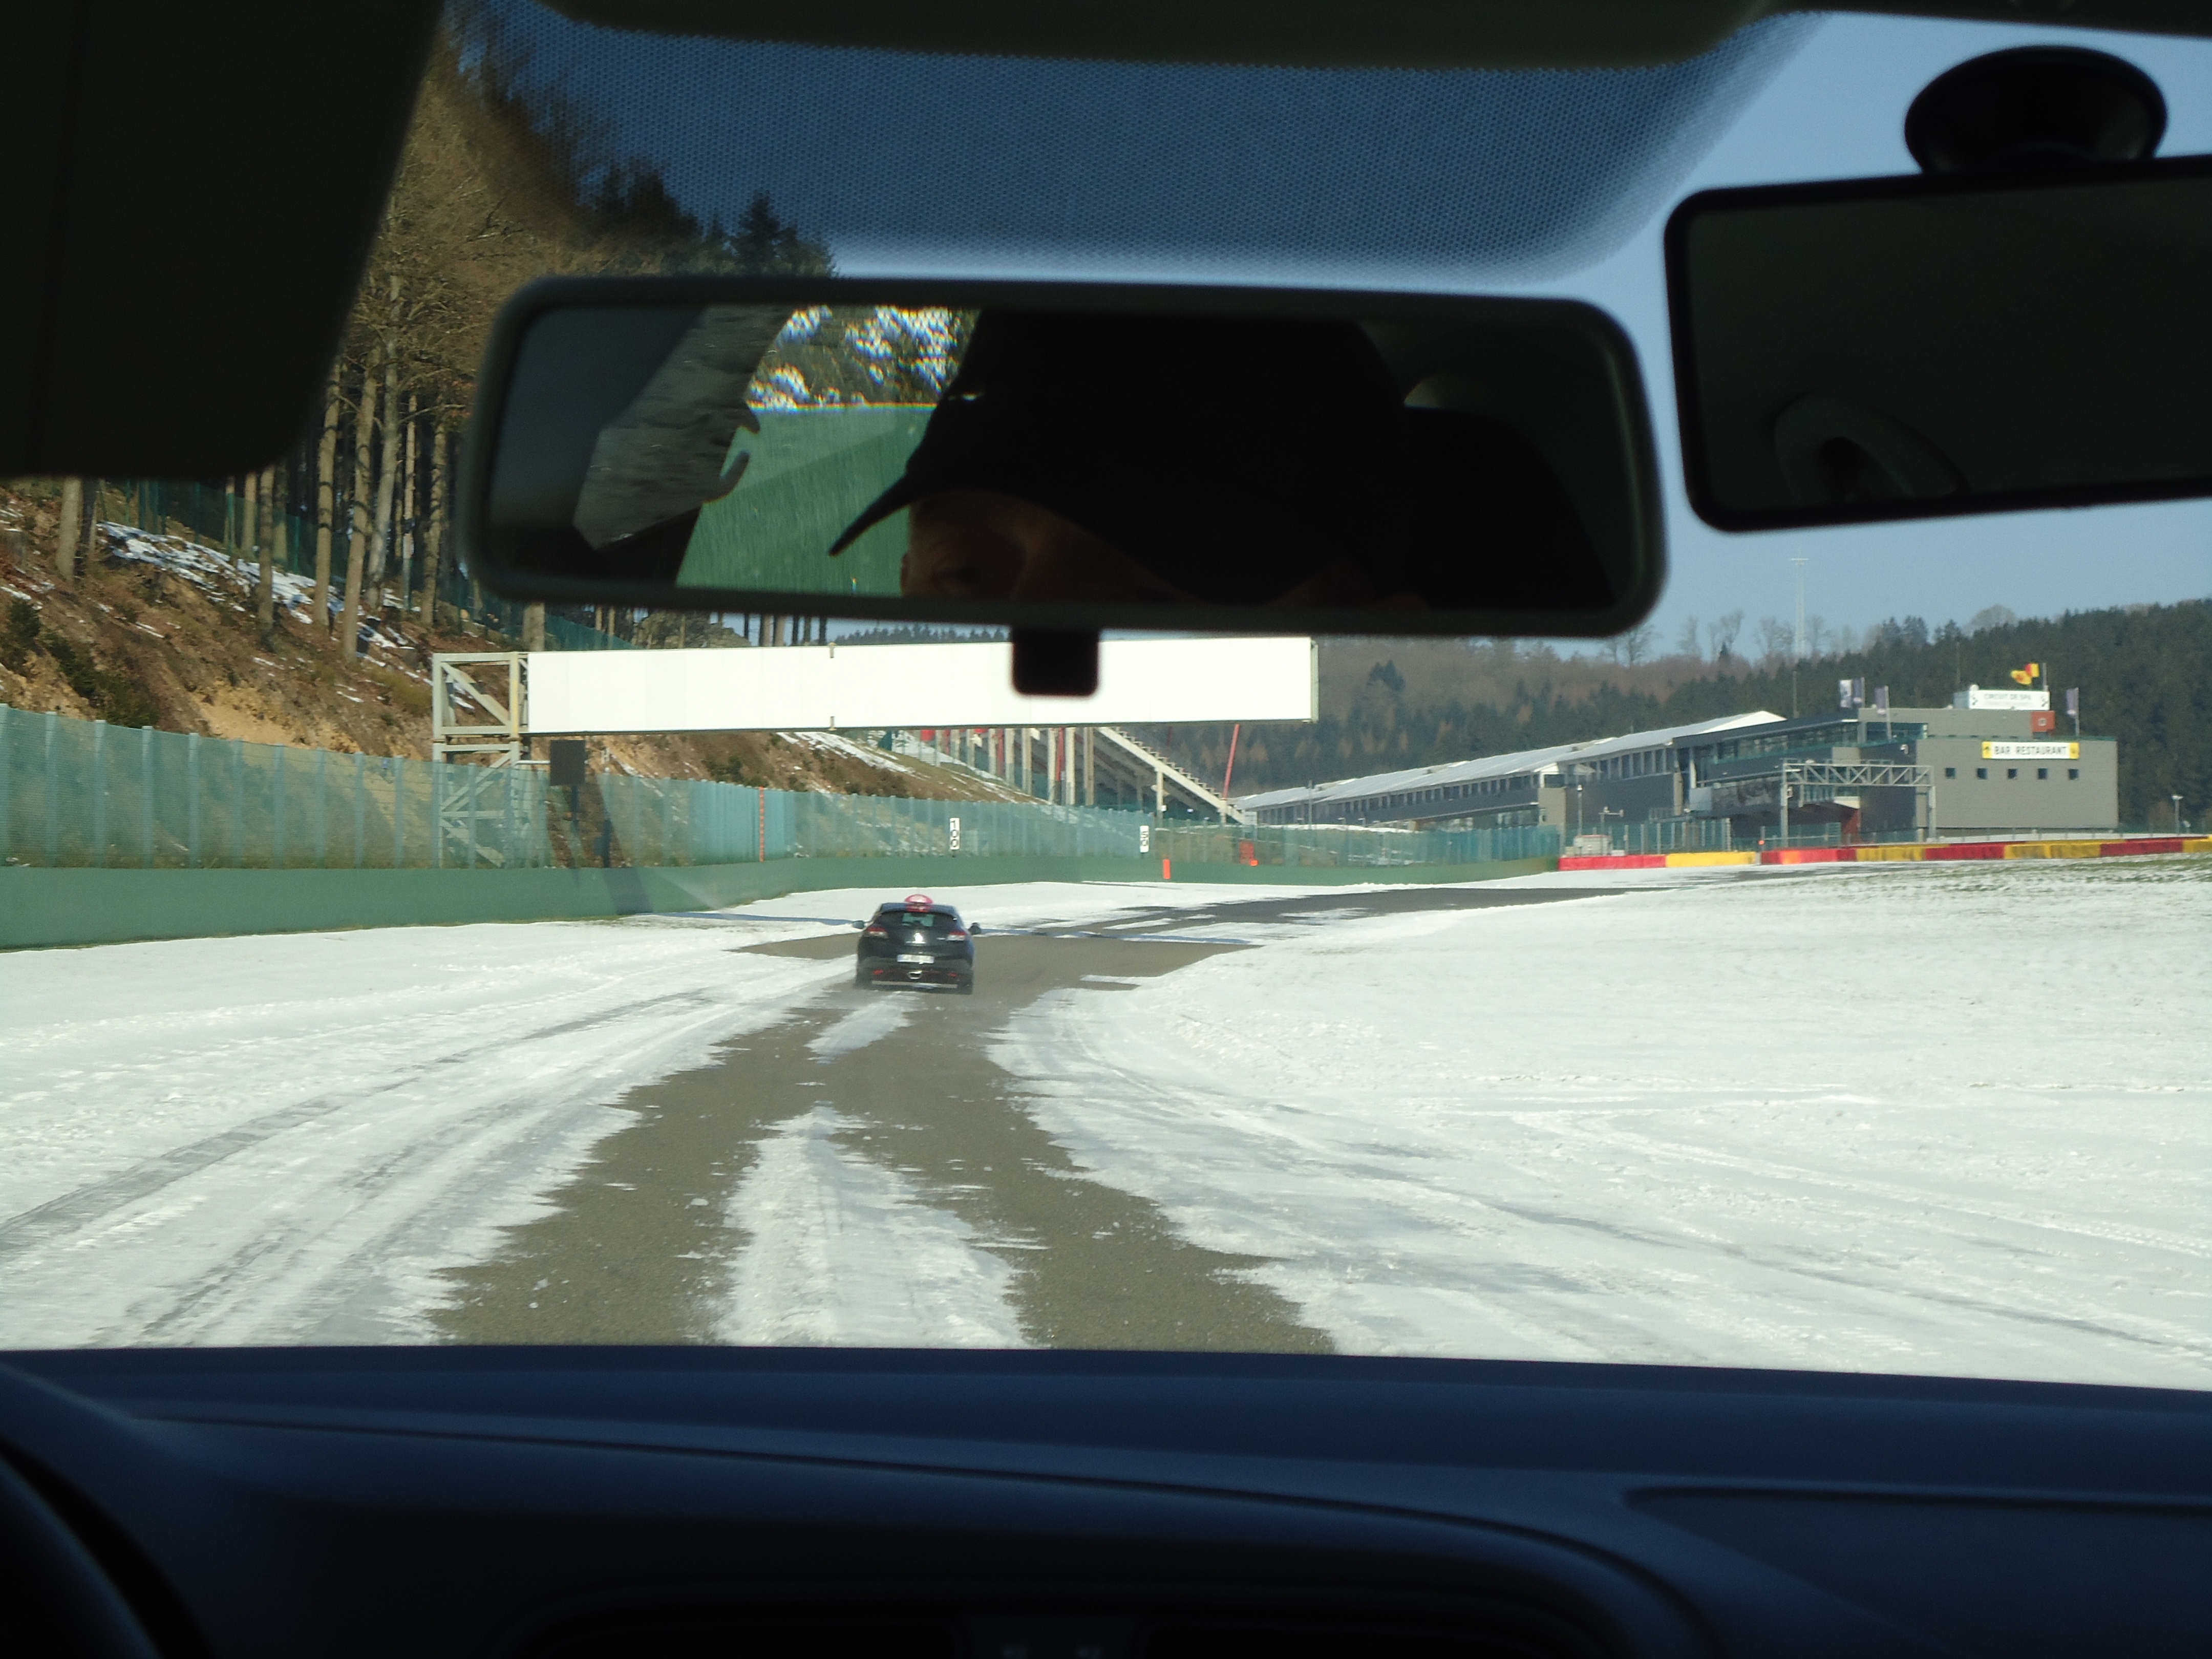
[(1907, 1197), (471, 1066), (58, 1217), (866, 1172)]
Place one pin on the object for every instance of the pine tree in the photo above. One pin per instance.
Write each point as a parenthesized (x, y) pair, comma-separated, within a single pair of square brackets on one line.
[(265, 581), (364, 423), (70, 529), (326, 474), (767, 245)]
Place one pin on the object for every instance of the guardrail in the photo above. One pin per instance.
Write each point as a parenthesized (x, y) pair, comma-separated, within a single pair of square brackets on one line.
[(1932, 852)]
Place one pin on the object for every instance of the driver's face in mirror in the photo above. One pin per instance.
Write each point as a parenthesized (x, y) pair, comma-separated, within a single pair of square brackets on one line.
[(981, 544)]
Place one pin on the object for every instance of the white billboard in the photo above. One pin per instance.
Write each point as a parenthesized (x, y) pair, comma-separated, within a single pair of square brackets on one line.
[(831, 687), (1986, 697)]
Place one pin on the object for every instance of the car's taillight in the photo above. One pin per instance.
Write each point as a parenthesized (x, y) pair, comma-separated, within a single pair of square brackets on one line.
[(955, 933), (873, 932)]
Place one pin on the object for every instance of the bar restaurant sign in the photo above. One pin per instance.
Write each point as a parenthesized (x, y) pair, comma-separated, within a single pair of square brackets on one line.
[(2031, 751)]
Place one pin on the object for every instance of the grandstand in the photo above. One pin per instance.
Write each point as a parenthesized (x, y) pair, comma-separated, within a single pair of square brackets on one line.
[(1856, 773), (1635, 775)]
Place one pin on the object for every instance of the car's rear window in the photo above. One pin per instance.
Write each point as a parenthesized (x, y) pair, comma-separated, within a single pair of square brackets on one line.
[(940, 920)]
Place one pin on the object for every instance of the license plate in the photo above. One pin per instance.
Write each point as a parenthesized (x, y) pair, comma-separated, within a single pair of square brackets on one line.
[(924, 961)]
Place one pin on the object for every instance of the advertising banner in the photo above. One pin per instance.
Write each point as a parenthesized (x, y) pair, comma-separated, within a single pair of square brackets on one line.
[(840, 688)]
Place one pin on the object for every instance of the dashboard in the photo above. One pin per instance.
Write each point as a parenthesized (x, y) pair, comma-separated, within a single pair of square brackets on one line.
[(870, 1504)]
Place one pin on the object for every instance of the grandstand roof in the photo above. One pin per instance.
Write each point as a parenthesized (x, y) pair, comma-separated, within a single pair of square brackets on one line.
[(1491, 766)]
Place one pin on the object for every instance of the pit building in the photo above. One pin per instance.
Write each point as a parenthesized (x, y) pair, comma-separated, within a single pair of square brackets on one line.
[(1991, 762)]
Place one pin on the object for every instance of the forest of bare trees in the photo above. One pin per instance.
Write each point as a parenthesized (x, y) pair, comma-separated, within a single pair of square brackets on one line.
[(507, 176)]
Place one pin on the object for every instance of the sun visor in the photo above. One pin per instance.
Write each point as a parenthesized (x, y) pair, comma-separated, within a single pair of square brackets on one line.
[(194, 190)]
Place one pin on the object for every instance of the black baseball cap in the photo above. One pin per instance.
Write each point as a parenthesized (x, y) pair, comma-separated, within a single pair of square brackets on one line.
[(1230, 456)]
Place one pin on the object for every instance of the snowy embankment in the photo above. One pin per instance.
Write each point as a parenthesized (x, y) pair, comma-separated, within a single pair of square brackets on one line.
[(233, 582), (280, 1140), (1927, 1119)]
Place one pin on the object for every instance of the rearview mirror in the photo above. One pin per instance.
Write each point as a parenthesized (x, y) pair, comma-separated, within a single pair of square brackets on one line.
[(1960, 343), (1049, 457)]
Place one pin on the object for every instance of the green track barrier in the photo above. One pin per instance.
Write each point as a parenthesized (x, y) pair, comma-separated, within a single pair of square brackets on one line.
[(81, 793), (52, 907), (111, 834)]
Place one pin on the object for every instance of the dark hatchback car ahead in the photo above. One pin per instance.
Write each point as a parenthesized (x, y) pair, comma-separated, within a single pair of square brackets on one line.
[(916, 941)]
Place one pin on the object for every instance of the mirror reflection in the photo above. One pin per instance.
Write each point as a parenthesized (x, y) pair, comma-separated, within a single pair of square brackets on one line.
[(1908, 347), (991, 455)]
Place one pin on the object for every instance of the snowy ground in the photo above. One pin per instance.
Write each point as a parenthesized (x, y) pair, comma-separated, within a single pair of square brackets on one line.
[(226, 1140), (1944, 1118), (282, 1139), (1918, 1118)]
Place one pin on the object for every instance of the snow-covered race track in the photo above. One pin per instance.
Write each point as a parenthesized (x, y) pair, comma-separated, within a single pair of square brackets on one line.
[(1917, 1118)]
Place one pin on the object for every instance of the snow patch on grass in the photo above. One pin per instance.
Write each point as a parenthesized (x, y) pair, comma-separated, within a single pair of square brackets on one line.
[(831, 743)]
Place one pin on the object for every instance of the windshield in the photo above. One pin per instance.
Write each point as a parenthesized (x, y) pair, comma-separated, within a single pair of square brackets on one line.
[(1812, 977)]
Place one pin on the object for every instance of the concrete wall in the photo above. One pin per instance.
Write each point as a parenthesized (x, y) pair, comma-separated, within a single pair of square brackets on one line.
[(1979, 791), (63, 906)]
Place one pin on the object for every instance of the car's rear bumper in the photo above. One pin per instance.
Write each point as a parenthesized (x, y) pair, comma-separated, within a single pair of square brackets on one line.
[(948, 971)]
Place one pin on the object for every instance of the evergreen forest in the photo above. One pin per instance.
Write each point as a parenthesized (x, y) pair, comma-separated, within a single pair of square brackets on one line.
[(2144, 672)]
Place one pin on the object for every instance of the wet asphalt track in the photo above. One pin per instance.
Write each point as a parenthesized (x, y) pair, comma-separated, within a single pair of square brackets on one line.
[(637, 1247)]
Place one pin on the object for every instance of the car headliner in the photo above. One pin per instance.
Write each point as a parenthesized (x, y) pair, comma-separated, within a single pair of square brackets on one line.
[(1382, 34), (1347, 177)]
